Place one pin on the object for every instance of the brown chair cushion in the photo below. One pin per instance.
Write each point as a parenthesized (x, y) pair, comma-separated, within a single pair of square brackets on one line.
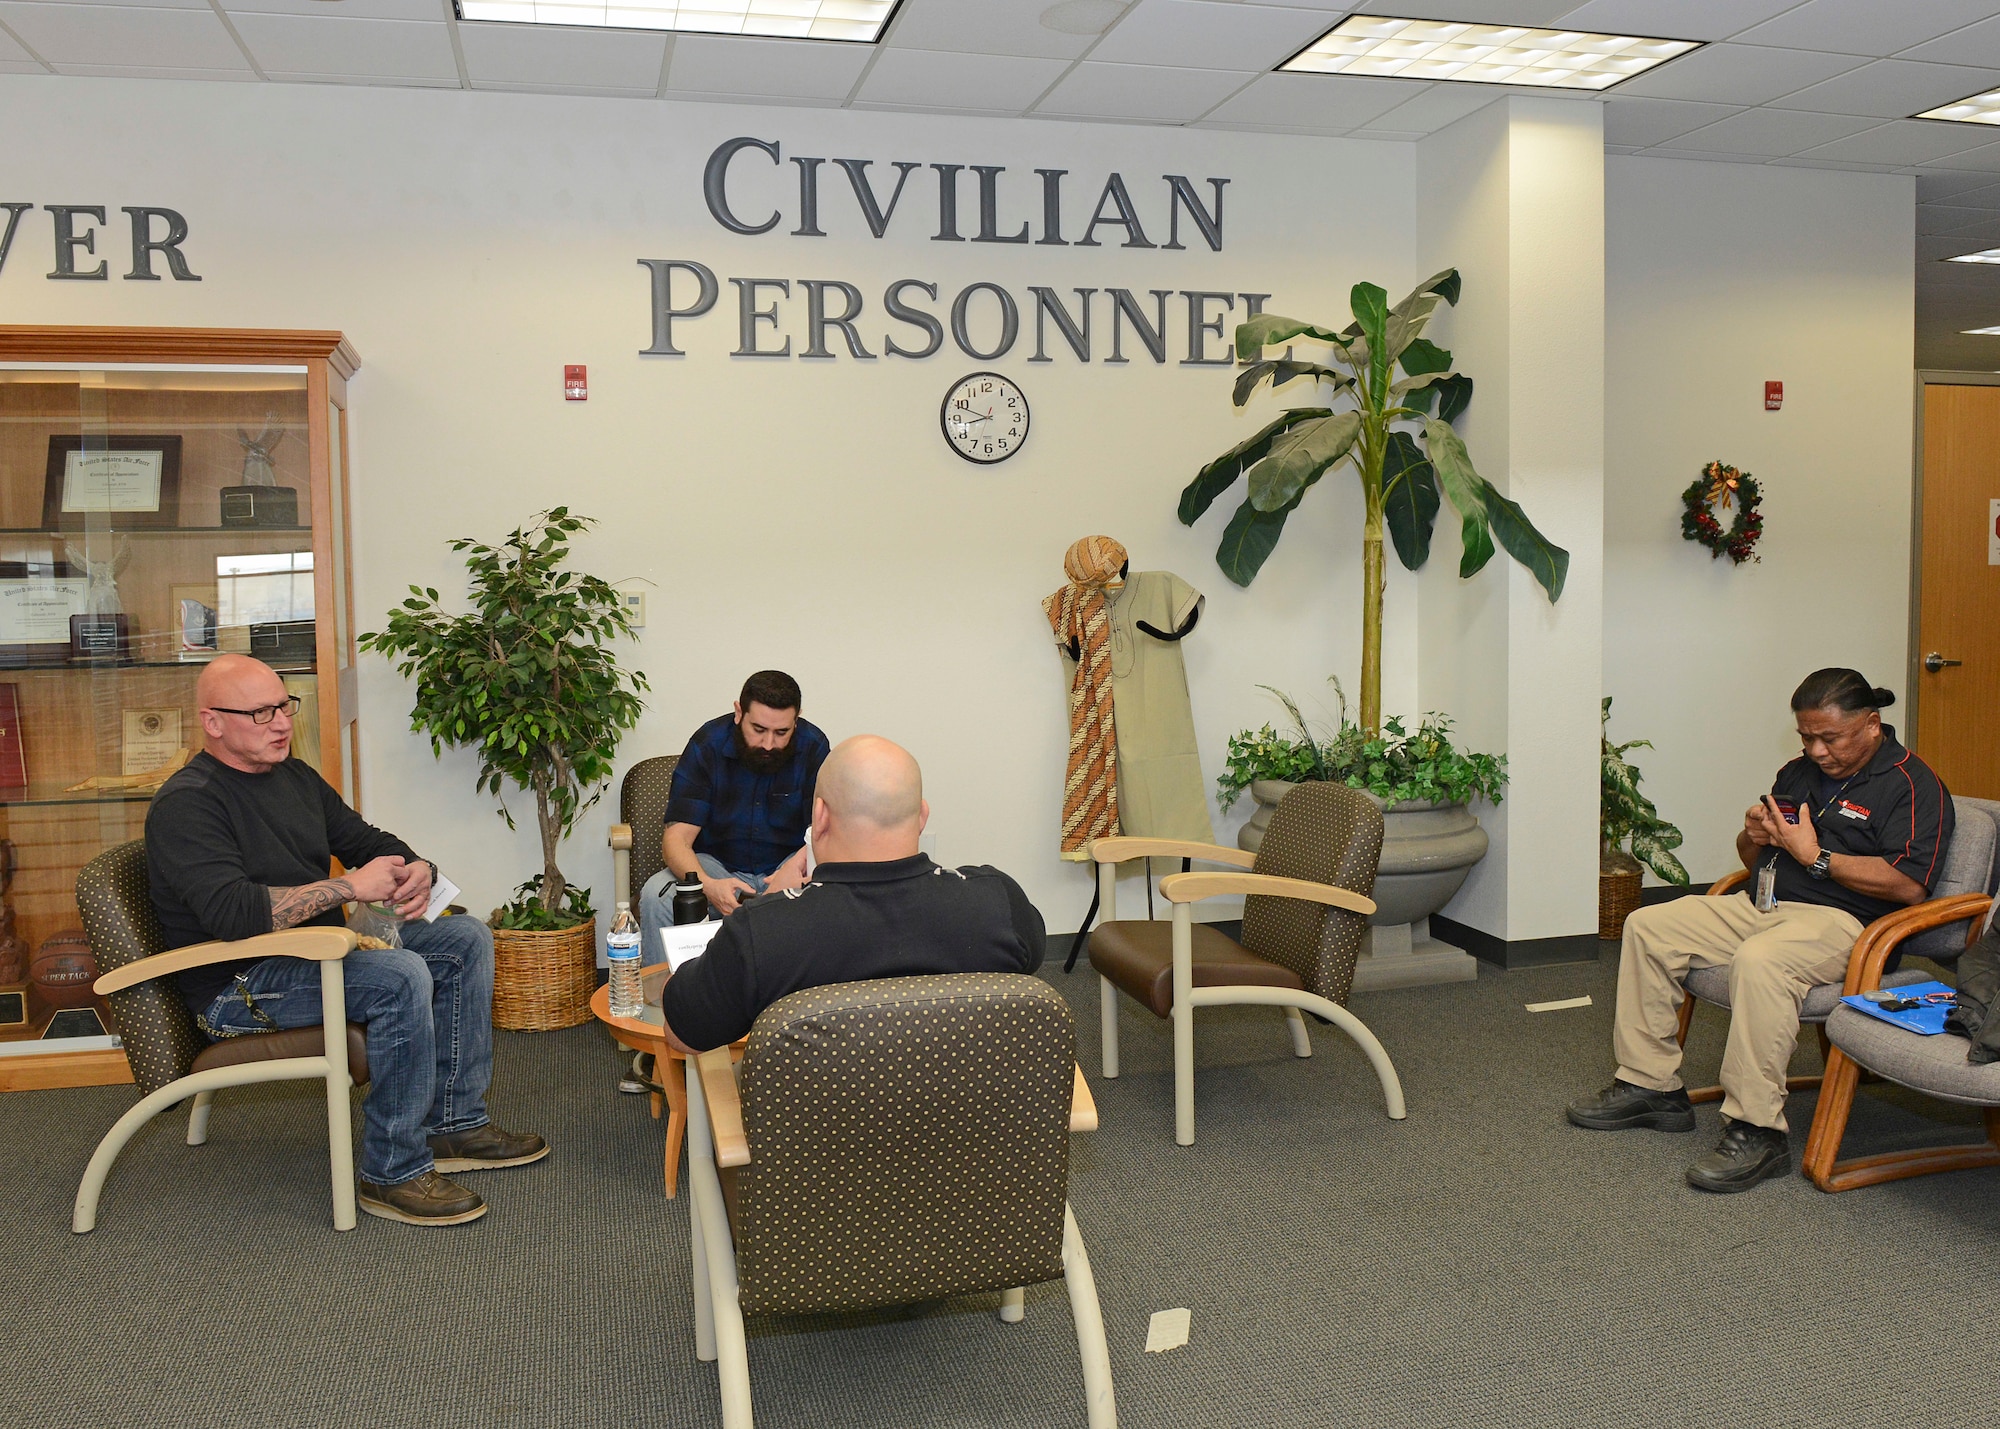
[(642, 807), (1139, 958), (274, 1046)]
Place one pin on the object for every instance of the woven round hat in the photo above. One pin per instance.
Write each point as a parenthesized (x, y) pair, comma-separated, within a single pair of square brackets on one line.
[(1094, 561)]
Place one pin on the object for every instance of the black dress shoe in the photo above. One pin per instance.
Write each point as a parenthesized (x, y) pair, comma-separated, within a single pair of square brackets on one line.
[(1622, 1106), (1746, 1155)]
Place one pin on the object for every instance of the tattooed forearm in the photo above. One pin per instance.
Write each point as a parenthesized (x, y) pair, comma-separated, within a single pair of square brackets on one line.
[(293, 906)]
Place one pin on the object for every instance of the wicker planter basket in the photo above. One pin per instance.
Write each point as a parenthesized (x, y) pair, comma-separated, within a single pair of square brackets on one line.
[(543, 981), (1618, 881)]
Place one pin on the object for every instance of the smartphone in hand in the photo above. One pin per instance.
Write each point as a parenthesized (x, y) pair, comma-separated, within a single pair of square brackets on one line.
[(1787, 808)]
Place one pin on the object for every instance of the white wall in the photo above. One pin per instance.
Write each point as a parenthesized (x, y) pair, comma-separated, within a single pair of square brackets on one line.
[(804, 515), (1719, 277)]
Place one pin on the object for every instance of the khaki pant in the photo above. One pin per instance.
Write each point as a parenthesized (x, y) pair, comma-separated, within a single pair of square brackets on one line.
[(1773, 960)]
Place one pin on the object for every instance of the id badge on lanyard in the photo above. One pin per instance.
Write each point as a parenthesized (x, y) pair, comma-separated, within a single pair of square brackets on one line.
[(1767, 885)]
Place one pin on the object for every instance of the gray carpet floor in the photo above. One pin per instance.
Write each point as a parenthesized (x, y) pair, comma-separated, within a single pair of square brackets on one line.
[(1481, 1263)]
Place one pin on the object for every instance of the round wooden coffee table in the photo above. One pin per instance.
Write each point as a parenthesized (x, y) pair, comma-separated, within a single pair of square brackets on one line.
[(645, 1034)]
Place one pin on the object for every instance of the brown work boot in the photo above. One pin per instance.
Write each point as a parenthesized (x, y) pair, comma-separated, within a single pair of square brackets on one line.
[(429, 1200), (485, 1148)]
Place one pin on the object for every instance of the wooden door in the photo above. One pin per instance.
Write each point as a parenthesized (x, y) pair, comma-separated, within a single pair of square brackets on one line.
[(1958, 623)]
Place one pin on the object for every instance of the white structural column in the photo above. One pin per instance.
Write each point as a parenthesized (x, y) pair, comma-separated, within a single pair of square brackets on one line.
[(1513, 196)]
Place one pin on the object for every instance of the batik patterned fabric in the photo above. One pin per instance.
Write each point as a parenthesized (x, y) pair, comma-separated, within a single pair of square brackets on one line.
[(1080, 613)]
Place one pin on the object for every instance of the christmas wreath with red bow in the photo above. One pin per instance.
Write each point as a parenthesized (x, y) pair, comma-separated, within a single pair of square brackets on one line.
[(1716, 489)]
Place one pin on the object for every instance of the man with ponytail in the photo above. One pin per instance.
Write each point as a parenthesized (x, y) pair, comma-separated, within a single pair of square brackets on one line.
[(1854, 828)]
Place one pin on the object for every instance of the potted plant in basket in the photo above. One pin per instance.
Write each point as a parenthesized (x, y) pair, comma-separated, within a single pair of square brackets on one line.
[(1625, 816), (1431, 840), (526, 678)]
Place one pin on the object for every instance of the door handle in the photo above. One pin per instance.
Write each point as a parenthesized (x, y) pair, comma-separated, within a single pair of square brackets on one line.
[(1935, 662)]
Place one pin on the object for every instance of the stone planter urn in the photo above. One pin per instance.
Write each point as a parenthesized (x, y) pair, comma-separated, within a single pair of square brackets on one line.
[(1427, 851)]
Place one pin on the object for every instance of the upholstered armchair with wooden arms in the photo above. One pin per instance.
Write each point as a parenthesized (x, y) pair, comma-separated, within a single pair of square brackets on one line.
[(1968, 868), (635, 839), (171, 1061), (1935, 1066), (886, 1143)]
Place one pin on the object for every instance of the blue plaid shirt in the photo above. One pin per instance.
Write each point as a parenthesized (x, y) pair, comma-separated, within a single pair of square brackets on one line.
[(751, 822)]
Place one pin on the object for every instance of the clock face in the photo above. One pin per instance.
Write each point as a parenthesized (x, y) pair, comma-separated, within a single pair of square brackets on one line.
[(985, 418)]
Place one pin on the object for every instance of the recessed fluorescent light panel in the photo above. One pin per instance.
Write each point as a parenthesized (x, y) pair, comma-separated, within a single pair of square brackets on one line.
[(1481, 54), (854, 20), (1985, 255), (1978, 109), (1980, 331)]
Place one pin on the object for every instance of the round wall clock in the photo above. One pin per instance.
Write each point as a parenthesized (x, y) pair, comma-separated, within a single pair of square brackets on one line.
[(984, 417)]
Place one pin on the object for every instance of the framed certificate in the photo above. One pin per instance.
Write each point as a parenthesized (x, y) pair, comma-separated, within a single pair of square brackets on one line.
[(34, 619), (112, 482)]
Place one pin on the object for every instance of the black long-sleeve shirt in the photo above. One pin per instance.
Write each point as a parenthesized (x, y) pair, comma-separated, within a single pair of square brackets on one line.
[(219, 840)]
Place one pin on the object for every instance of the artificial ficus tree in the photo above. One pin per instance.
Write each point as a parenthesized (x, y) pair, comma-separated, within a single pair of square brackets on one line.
[(1377, 389), (527, 679)]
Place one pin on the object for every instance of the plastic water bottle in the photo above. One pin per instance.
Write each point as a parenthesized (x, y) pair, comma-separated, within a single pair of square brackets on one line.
[(622, 952)]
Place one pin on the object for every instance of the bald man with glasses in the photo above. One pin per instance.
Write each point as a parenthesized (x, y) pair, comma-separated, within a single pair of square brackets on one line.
[(239, 843)]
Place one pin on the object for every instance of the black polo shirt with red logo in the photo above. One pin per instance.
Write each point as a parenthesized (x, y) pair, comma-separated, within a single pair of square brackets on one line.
[(1896, 809)]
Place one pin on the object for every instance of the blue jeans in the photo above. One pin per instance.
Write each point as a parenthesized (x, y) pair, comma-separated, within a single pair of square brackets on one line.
[(428, 1008), (656, 902)]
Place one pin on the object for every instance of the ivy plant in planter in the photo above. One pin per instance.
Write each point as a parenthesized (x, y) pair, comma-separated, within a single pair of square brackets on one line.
[(1627, 818), (1403, 454), (527, 679)]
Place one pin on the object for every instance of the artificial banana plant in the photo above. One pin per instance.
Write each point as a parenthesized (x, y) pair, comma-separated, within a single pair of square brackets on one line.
[(1381, 423)]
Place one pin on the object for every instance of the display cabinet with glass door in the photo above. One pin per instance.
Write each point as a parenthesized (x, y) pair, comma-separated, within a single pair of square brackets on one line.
[(166, 496)]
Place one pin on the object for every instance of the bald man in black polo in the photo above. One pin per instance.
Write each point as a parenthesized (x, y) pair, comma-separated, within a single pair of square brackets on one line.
[(874, 907)]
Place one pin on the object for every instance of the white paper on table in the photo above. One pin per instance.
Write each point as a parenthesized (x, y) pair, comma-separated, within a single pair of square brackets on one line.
[(443, 894), (1168, 1330), (684, 942)]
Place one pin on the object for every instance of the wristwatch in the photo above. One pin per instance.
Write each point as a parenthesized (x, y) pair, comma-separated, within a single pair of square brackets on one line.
[(1822, 867)]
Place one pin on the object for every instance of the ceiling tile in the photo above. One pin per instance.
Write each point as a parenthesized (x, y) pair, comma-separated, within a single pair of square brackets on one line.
[(1772, 133), (1673, 19), (731, 64), (1437, 107), (1313, 101), (1478, 12), (13, 54), (1934, 218), (386, 49), (1200, 35), (995, 82), (1936, 250), (1144, 92), (69, 36), (1906, 142), (1737, 74), (1805, 161), (130, 4), (245, 75), (1974, 45), (1892, 89), (1972, 237), (433, 10), (1985, 160), (549, 55), (1674, 151), (1654, 121), (1866, 27), (1938, 188), (994, 27)]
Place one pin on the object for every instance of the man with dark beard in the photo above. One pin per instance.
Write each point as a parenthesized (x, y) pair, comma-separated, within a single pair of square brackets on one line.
[(740, 805)]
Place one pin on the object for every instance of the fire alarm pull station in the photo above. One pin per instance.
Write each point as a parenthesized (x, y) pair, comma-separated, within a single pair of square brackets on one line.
[(576, 383), (1774, 395)]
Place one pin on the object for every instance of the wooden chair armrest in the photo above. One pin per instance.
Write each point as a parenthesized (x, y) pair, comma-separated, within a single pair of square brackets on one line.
[(725, 1107), (1193, 887), (316, 944), (1728, 883), (1082, 1108), (1118, 850), (1883, 936), (620, 836)]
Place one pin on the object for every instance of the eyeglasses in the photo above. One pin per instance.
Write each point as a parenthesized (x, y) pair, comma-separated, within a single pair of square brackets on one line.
[(264, 714)]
